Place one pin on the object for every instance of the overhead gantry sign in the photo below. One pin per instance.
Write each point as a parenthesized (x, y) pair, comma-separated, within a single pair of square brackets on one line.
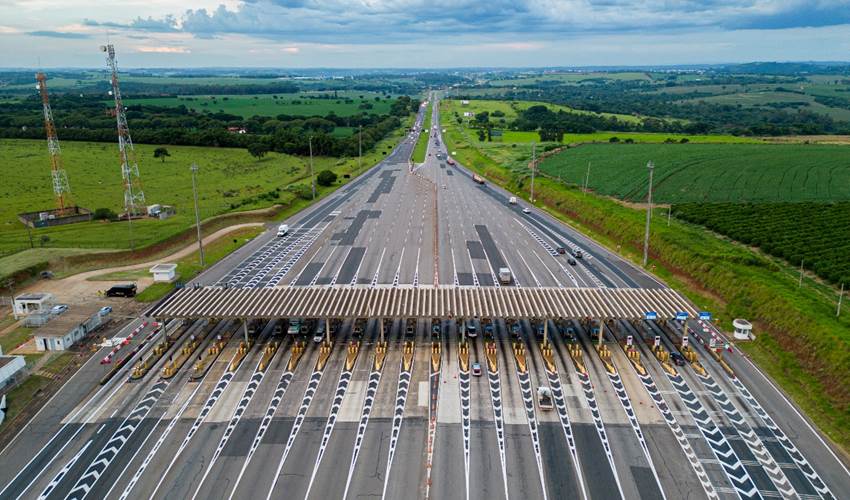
[(347, 301)]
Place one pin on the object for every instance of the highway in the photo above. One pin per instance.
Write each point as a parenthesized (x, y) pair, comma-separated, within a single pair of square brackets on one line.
[(445, 416)]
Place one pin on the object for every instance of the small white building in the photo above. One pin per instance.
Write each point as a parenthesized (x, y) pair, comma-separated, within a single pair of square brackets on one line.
[(464, 102), (468, 114), (743, 329), (10, 366), (30, 303), (164, 273), (69, 328)]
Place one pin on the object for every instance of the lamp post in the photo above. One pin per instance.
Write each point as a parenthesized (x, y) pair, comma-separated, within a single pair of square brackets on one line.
[(651, 168), (194, 169)]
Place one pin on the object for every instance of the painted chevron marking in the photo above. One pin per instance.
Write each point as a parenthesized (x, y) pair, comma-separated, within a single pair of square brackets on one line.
[(765, 460), (625, 402), (87, 480), (341, 388), (61, 474), (499, 422), (309, 392), (368, 402), (563, 415), (464, 382), (528, 400), (732, 466), (398, 417), (805, 467), (277, 397), (590, 397)]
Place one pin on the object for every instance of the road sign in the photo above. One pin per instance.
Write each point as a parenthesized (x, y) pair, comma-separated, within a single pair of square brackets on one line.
[(650, 315), (685, 341), (705, 316), (657, 341), (681, 316)]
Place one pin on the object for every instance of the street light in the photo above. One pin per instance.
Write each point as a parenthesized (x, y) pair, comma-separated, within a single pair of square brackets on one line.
[(194, 169), (651, 168)]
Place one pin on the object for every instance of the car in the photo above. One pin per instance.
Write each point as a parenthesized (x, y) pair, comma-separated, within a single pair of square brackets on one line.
[(318, 338), (476, 369), (561, 250), (526, 210), (489, 330), (471, 330), (569, 333), (294, 327), (444, 186), (516, 330), (436, 330), (105, 310), (571, 261), (126, 290), (320, 328), (578, 254), (411, 327), (59, 309), (677, 358)]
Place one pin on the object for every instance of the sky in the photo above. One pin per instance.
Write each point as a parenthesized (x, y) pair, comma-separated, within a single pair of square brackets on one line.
[(420, 33)]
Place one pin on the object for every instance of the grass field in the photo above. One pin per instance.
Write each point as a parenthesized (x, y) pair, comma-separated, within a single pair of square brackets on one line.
[(512, 108), (569, 78), (709, 172), (188, 267), (347, 103), (421, 147), (229, 180), (512, 136), (764, 97)]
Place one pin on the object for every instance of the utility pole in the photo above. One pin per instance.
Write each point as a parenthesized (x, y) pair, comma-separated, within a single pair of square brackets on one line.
[(669, 210), (651, 167), (533, 168), (800, 284), (194, 169), (840, 296), (312, 180), (360, 148), (587, 177)]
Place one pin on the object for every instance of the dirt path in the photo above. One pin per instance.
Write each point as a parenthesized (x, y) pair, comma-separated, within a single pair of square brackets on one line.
[(78, 289)]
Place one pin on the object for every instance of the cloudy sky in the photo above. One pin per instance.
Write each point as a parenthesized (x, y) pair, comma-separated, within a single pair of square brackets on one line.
[(421, 33)]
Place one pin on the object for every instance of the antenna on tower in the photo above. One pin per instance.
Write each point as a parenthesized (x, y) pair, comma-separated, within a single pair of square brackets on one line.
[(134, 197), (61, 188)]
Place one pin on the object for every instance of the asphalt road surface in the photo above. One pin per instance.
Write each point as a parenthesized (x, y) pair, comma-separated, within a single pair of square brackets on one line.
[(270, 421)]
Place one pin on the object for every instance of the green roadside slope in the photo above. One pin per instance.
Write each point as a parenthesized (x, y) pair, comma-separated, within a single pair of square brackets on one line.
[(800, 342)]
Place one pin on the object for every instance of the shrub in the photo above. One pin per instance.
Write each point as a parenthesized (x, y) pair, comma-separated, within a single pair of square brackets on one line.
[(326, 177)]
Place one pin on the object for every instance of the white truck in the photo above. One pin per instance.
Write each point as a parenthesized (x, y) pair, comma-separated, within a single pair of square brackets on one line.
[(282, 230), (512, 200), (505, 276)]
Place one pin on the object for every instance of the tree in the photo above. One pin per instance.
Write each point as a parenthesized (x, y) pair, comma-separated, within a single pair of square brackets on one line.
[(104, 214), (258, 149), (161, 153), (326, 177), (481, 135)]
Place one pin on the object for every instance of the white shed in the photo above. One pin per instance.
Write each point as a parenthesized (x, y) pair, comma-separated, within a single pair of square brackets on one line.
[(164, 273), (743, 329), (67, 329), (29, 303)]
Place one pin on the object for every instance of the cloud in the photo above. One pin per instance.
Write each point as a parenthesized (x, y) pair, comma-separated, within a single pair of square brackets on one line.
[(8, 30), (163, 50), (165, 24), (59, 34)]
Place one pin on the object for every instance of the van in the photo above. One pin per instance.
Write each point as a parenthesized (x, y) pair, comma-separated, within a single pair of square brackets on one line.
[(282, 230), (505, 276), (128, 290), (512, 200)]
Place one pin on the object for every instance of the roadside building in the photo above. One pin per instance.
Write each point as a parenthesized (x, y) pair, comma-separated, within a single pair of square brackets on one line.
[(10, 367), (66, 330), (32, 303), (164, 273)]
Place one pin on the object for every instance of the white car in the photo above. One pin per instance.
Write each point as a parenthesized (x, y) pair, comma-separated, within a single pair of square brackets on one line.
[(526, 210), (59, 309), (318, 338), (105, 310)]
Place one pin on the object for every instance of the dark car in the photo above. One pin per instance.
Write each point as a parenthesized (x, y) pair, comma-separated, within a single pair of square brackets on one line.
[(436, 330), (128, 290), (571, 261), (515, 330), (677, 358), (488, 330), (561, 250)]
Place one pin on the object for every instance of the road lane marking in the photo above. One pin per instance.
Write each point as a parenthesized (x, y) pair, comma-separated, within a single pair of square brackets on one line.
[(368, 402), (590, 397), (404, 377), (563, 415)]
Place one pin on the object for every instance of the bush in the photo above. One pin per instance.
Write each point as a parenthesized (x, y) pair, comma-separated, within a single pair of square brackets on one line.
[(326, 177), (104, 214), (614, 139)]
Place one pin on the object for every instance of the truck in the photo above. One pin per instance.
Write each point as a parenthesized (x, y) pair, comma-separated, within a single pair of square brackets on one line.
[(512, 200), (282, 230), (544, 398), (478, 179), (504, 276)]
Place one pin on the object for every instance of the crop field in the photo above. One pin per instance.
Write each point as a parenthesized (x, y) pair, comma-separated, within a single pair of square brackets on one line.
[(816, 234), (229, 180), (512, 108), (709, 172), (766, 97), (346, 103), (569, 78), (512, 136)]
